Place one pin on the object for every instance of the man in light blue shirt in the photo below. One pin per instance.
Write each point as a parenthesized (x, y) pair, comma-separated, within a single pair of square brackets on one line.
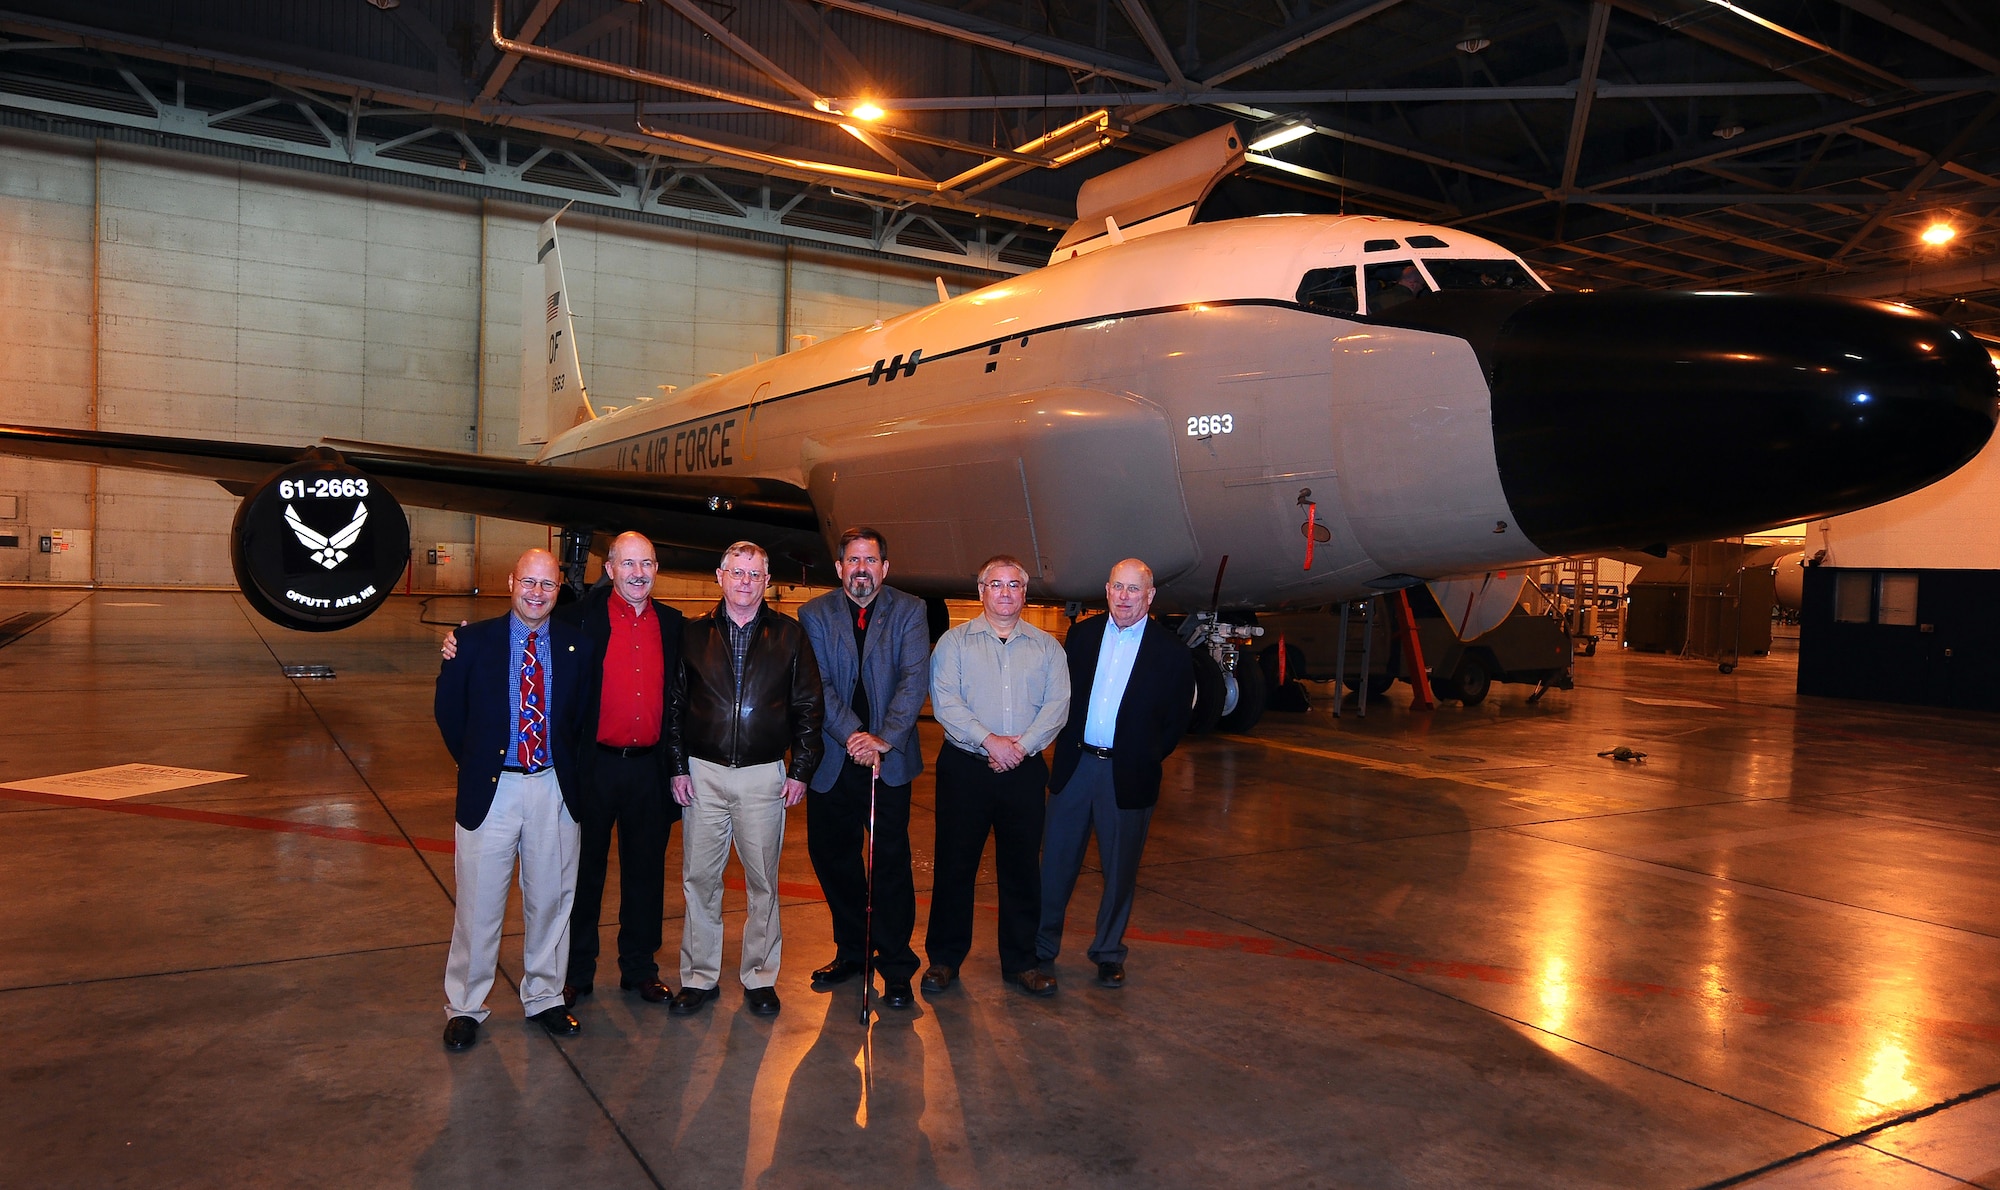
[(1132, 690)]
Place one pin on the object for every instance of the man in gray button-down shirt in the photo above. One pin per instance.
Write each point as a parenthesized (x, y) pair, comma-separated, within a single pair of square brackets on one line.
[(1000, 690)]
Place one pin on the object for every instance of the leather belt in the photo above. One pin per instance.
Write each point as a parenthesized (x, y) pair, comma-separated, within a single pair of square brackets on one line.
[(515, 768), (1100, 753), (628, 752)]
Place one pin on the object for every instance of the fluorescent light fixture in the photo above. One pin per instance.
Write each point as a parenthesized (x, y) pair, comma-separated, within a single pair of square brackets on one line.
[(1282, 133)]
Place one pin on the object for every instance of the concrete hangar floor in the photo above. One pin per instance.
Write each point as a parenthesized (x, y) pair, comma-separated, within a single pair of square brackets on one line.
[(1454, 949)]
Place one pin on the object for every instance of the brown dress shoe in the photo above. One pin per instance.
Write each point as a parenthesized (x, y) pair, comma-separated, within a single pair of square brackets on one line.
[(652, 991), (939, 977), (1033, 982)]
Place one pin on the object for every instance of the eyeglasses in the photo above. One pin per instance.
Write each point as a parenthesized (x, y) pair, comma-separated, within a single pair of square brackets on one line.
[(741, 575), (537, 584), (1003, 584)]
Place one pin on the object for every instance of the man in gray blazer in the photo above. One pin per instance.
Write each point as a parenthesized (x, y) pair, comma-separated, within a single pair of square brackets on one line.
[(873, 648)]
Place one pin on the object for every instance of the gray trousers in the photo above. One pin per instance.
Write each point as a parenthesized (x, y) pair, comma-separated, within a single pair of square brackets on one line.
[(1090, 801)]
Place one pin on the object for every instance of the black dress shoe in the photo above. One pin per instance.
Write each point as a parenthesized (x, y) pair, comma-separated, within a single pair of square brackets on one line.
[(896, 992), (1033, 982), (574, 992), (652, 991), (762, 1001), (838, 971), (1111, 975), (557, 1021), (688, 1001), (939, 977), (460, 1032)]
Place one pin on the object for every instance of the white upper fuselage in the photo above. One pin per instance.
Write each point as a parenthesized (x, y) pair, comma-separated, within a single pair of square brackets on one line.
[(1166, 397)]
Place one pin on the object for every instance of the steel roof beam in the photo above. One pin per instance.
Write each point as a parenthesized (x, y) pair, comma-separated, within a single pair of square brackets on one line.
[(1267, 50), (1586, 89), (1923, 176), (1911, 27), (992, 35), (530, 29)]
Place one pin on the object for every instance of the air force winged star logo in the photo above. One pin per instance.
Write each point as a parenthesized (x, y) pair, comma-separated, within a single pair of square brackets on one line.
[(327, 551)]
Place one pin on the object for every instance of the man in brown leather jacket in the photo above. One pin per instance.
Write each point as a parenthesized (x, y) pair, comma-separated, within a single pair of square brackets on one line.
[(753, 692)]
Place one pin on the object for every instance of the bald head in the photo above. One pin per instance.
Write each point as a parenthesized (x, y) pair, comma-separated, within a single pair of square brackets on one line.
[(1129, 592), (632, 566), (532, 586)]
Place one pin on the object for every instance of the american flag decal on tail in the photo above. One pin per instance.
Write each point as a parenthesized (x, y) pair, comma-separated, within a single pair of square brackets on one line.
[(555, 304)]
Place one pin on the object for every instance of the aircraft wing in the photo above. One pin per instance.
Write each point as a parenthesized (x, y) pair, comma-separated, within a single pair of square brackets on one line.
[(700, 515)]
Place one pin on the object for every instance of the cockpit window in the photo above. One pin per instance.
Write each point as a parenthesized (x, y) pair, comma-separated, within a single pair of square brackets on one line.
[(1392, 283), (1380, 246), (1329, 291), (1479, 274), (1427, 242)]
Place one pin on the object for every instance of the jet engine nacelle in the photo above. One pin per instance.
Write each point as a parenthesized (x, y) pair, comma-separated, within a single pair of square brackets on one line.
[(319, 545)]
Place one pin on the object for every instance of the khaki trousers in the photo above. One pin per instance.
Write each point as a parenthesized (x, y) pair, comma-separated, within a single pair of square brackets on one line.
[(530, 824), (745, 806)]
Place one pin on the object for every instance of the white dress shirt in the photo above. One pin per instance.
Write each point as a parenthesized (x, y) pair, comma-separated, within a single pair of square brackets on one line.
[(1114, 670)]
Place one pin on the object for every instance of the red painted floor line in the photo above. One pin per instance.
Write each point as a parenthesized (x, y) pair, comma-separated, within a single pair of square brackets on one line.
[(345, 834)]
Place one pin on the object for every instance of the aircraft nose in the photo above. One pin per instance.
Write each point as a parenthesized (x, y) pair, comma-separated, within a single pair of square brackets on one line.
[(1629, 420)]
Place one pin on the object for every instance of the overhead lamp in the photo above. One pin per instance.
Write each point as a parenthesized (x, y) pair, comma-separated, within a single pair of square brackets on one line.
[(1730, 126), (1474, 38), (386, 5), (1938, 234), (865, 110), (1283, 132)]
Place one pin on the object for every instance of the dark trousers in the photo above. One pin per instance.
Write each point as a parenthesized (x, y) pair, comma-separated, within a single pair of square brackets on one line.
[(835, 823), (972, 802), (1089, 800), (626, 792)]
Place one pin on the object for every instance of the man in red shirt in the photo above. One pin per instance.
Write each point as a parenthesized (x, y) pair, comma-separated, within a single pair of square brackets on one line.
[(627, 777)]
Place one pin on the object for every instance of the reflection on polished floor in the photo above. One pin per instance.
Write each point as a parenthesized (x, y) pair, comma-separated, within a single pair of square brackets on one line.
[(1451, 949)]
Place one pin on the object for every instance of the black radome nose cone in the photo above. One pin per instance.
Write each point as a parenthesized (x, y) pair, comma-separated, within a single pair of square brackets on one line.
[(1627, 420)]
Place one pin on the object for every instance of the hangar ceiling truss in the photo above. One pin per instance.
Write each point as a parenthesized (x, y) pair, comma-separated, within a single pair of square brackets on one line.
[(1741, 143)]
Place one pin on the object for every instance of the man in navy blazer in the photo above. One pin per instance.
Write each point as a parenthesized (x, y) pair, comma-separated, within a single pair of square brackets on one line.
[(511, 706), (873, 646), (1131, 692)]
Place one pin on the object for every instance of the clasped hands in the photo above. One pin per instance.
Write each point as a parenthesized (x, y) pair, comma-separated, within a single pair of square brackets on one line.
[(1004, 752)]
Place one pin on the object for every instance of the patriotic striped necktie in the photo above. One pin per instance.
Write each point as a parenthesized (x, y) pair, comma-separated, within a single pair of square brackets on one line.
[(534, 746)]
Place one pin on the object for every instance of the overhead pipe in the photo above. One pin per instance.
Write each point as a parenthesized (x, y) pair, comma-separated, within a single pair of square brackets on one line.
[(1100, 120), (632, 74)]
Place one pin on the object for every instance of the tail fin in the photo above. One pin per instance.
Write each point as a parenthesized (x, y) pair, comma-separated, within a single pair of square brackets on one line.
[(552, 393)]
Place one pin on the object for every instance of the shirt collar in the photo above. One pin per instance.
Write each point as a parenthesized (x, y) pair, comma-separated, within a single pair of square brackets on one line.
[(722, 615), (620, 607), (1111, 626)]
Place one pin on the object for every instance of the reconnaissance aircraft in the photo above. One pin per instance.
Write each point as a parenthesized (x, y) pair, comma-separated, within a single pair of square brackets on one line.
[(1278, 411)]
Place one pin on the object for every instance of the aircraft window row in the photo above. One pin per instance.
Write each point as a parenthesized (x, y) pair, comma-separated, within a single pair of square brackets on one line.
[(1380, 246), (1479, 274)]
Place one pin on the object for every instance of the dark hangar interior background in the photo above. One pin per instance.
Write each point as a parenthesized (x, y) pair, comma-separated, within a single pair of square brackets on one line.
[(1802, 144)]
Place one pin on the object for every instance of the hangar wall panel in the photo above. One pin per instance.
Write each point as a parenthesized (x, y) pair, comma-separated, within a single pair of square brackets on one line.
[(46, 247), (161, 293), (1954, 524)]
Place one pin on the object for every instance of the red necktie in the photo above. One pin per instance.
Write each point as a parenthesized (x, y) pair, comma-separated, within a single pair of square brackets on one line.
[(861, 621), (534, 747)]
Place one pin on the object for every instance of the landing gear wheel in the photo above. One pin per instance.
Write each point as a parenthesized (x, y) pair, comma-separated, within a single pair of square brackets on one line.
[(1727, 668), (1210, 691), (1251, 696), (1472, 681)]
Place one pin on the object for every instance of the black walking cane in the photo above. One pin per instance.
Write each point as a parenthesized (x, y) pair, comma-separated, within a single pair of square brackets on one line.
[(868, 929)]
